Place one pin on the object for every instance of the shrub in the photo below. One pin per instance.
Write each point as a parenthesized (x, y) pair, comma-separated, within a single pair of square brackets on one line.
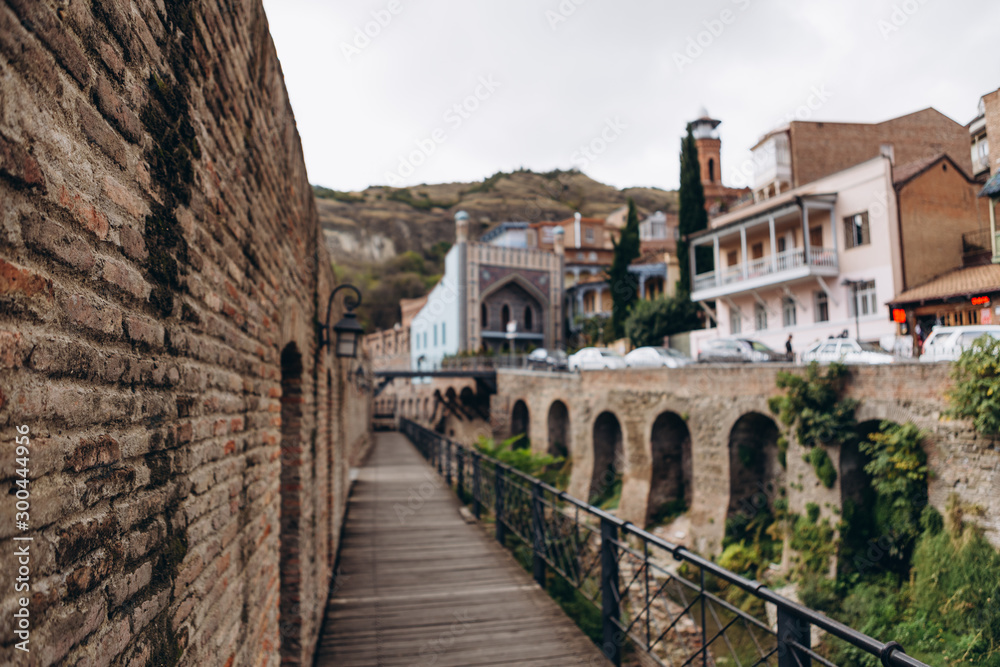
[(823, 466), (976, 393)]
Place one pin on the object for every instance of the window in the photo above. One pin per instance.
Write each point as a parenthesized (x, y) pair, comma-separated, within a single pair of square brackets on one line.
[(425, 340), (863, 299), (483, 316), (781, 244), (822, 307), (757, 251), (504, 316), (711, 170), (588, 234), (528, 316), (856, 230), (735, 322), (788, 311), (435, 335), (731, 258), (760, 317), (816, 237), (444, 341)]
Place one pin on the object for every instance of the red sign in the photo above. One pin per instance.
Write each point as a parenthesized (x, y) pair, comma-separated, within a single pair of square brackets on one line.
[(898, 315), (980, 300)]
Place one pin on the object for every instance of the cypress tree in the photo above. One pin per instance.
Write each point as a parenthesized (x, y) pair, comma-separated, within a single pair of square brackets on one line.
[(691, 214), (624, 285)]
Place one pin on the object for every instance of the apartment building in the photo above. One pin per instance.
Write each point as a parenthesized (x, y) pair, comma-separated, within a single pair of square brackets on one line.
[(983, 126), (802, 152), (827, 256)]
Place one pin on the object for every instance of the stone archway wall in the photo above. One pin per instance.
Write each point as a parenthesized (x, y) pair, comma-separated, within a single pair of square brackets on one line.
[(712, 398)]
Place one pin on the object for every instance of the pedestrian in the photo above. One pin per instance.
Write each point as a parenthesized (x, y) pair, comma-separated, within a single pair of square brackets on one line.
[(788, 348)]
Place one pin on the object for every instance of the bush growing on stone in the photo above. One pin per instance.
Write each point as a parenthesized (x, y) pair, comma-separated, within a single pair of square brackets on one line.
[(976, 394)]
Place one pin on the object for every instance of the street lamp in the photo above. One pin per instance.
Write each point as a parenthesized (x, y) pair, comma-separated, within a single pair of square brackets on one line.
[(854, 296), (348, 329)]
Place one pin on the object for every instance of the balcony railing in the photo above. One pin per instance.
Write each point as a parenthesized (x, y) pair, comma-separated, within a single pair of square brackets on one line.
[(763, 266)]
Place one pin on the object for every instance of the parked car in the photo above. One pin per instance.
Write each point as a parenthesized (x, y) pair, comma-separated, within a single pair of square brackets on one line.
[(947, 343), (737, 350), (548, 360), (595, 358), (655, 357), (847, 351)]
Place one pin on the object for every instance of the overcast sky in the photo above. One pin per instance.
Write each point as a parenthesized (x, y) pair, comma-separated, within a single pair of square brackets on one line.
[(442, 91)]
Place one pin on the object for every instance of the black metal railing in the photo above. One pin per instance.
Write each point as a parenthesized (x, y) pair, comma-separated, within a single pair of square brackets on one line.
[(656, 600)]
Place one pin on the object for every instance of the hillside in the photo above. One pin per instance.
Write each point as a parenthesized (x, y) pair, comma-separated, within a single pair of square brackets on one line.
[(390, 240)]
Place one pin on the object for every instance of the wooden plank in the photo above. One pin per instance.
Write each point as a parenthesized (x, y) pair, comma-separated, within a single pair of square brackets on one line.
[(420, 586)]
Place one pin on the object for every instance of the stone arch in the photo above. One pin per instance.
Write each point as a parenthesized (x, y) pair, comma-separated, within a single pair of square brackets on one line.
[(520, 422), (609, 455), (292, 442), (541, 320), (755, 476), (559, 429), (671, 488)]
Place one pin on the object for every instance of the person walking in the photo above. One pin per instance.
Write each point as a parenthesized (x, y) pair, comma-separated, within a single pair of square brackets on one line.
[(788, 348)]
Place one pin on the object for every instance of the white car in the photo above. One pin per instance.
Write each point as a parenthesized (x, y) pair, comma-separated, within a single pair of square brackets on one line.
[(656, 357), (947, 343), (846, 351), (595, 358)]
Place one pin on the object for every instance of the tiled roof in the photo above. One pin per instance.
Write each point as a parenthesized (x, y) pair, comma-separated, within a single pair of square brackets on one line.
[(992, 187), (960, 282)]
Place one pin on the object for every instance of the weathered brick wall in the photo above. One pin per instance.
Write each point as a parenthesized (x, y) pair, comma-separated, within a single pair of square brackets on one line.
[(161, 271), (935, 209), (711, 400), (820, 149)]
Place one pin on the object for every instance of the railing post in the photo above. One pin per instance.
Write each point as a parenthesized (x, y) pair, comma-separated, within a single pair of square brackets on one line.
[(447, 466), (791, 628), (476, 486), (538, 533), (459, 454), (610, 611), (501, 530), (438, 457)]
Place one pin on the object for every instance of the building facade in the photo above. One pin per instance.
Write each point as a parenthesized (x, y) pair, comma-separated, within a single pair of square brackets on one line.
[(827, 257), (493, 295)]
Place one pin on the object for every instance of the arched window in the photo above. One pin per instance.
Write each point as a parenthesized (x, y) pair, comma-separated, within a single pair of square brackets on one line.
[(711, 170), (483, 316), (528, 316), (504, 316)]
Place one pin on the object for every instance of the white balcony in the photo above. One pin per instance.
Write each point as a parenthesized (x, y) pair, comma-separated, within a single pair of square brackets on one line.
[(768, 270)]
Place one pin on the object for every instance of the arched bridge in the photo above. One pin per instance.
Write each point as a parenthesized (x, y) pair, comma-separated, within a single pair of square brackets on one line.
[(677, 435)]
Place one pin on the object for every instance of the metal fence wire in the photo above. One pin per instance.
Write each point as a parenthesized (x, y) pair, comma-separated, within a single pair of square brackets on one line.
[(659, 604)]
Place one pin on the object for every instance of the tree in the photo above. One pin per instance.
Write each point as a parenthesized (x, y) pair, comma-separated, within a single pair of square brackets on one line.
[(624, 285), (691, 215), (649, 321)]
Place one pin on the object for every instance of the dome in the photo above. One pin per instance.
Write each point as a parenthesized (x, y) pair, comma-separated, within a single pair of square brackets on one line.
[(461, 215)]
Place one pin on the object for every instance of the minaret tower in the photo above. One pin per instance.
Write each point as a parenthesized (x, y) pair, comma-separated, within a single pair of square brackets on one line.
[(706, 138)]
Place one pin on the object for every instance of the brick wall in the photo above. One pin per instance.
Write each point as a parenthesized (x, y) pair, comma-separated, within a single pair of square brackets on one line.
[(160, 258), (820, 149), (935, 209)]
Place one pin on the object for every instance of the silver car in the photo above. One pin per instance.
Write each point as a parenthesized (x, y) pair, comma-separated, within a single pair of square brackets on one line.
[(656, 357), (595, 358), (947, 343), (737, 350), (846, 351)]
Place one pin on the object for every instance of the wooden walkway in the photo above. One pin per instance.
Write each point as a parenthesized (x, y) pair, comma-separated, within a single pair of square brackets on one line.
[(427, 588)]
